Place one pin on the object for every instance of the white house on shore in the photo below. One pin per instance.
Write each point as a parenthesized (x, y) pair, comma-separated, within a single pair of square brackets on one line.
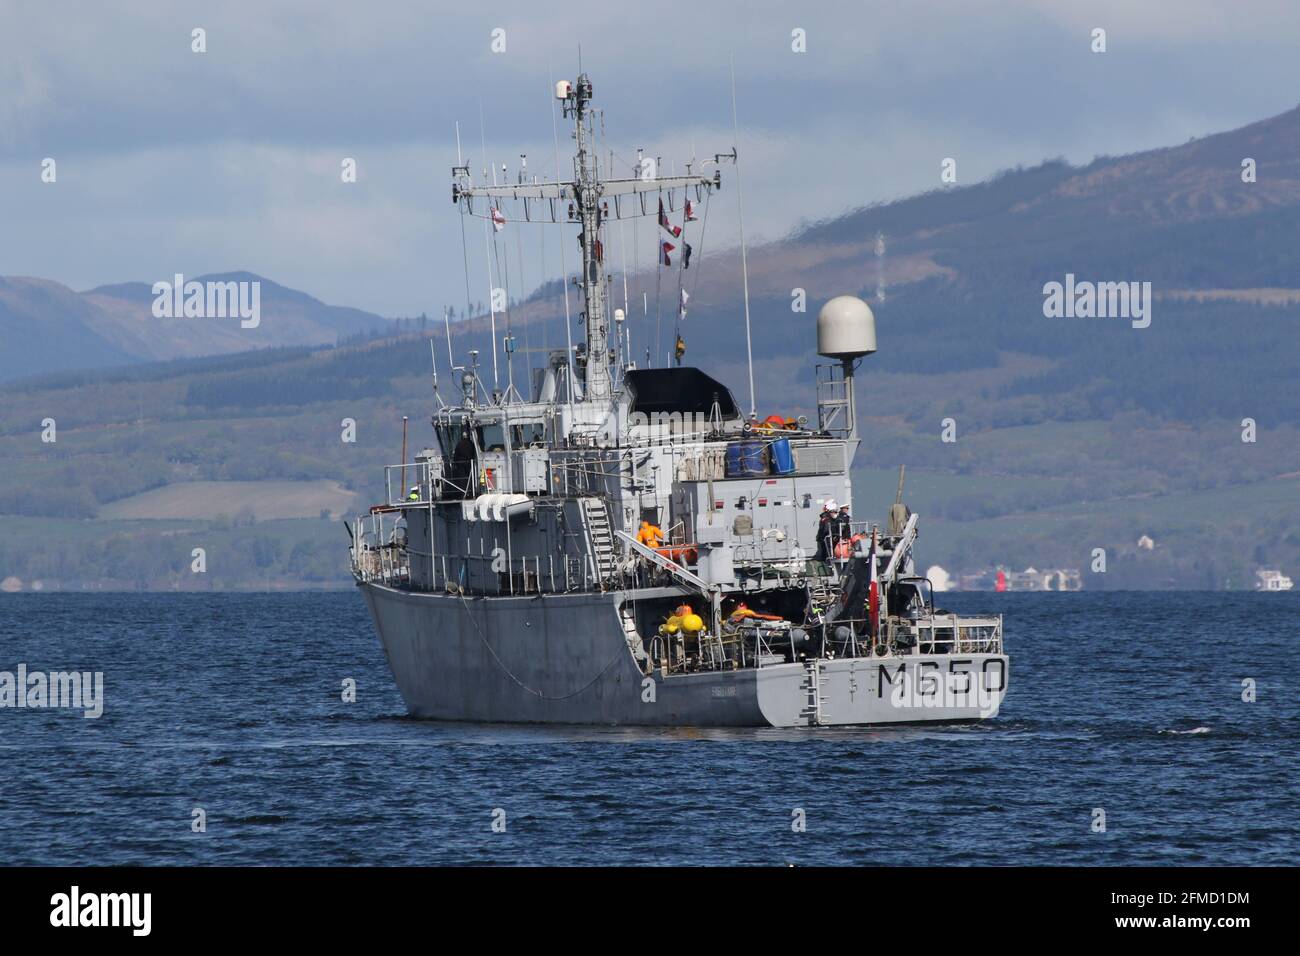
[(1267, 579)]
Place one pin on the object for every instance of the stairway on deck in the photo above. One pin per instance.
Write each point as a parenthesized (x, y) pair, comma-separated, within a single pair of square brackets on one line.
[(596, 516)]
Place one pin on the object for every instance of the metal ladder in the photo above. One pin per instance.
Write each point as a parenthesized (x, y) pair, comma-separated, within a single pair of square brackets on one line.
[(600, 536), (814, 711), (822, 595)]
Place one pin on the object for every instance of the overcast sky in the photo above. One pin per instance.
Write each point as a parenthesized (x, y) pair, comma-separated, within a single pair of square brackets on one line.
[(173, 161)]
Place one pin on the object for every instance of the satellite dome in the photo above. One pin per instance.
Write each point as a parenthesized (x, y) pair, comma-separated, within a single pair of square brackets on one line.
[(846, 329)]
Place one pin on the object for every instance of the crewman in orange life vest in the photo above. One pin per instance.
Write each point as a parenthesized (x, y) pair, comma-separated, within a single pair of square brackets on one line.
[(650, 535)]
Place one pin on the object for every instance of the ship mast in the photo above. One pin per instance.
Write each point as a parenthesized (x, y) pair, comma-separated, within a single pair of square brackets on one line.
[(592, 200), (587, 199)]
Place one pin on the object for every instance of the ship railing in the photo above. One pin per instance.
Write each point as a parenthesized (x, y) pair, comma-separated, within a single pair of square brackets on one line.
[(750, 565), (969, 634), (421, 475), (937, 634), (859, 537), (495, 576), (712, 652), (958, 634), (578, 474), (762, 570), (843, 545), (863, 528), (378, 553), (512, 575), (657, 436)]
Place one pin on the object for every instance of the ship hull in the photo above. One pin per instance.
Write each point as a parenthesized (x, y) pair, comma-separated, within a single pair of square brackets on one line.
[(564, 659)]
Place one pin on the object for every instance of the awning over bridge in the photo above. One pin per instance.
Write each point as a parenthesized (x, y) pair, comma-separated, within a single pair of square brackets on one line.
[(687, 391)]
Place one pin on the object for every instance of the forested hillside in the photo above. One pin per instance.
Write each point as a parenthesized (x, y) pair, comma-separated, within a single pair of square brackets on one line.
[(1071, 433)]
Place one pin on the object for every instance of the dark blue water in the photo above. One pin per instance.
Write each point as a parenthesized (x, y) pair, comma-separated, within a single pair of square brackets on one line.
[(1126, 702)]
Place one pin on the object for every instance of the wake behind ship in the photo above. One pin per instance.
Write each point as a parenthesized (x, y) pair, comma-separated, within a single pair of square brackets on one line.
[(627, 546)]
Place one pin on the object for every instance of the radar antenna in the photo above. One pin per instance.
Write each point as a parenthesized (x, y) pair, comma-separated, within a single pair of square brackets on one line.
[(590, 201)]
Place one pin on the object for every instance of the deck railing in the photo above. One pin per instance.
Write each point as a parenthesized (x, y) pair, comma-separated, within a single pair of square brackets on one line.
[(378, 553), (964, 635)]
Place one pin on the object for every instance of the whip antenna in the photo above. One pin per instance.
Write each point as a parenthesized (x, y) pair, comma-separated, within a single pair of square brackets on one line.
[(744, 264)]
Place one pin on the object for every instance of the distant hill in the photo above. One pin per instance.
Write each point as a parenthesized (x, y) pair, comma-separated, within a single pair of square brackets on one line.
[(46, 327), (1072, 434)]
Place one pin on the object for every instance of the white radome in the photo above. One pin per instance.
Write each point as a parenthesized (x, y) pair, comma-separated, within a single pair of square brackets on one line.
[(846, 328)]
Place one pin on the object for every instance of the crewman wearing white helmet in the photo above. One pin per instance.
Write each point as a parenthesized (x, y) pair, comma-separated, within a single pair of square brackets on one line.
[(825, 525)]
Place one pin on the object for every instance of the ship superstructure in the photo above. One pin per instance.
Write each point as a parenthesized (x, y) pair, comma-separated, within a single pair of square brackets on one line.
[(628, 545)]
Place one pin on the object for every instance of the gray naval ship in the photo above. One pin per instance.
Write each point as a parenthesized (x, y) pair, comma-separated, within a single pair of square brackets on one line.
[(626, 546)]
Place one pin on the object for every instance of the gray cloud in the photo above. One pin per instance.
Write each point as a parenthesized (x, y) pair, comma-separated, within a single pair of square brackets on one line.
[(171, 161)]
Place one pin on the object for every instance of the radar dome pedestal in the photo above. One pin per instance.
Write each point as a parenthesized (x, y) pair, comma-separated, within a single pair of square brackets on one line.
[(846, 328), (846, 331)]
